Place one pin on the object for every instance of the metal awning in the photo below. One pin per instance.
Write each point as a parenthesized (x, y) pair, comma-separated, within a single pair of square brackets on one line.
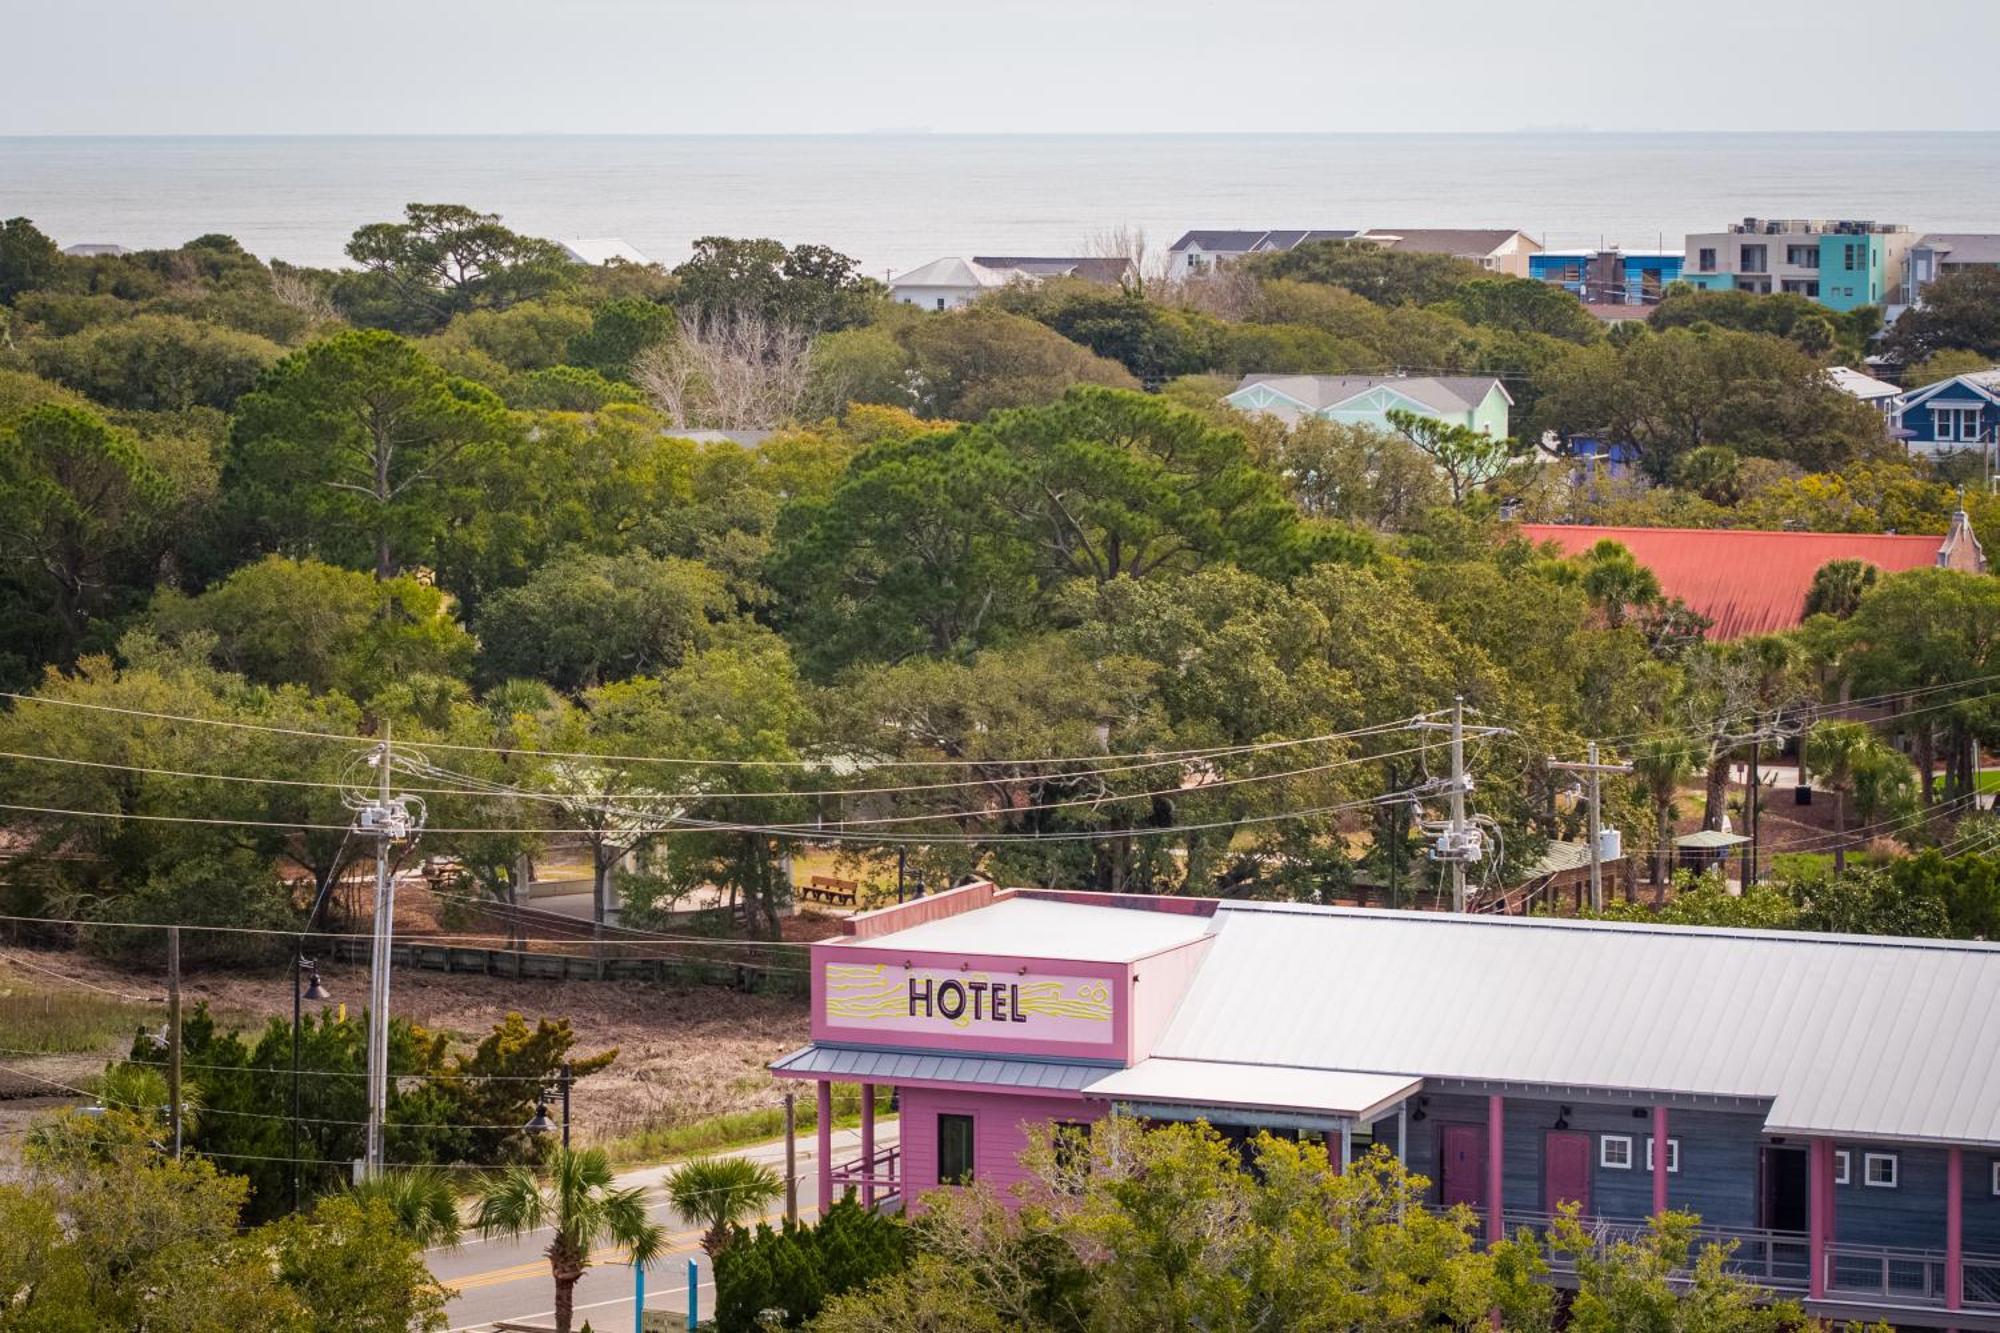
[(1710, 840), (860, 1064), (1340, 1094)]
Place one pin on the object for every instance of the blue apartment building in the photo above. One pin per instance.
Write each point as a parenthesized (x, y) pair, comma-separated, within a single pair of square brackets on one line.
[(1609, 277)]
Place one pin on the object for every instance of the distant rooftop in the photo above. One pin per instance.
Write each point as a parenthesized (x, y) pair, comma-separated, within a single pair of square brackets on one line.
[(1865, 387), (1960, 247), (1440, 393), (1746, 582), (1109, 270), (1244, 242), (1467, 242), (595, 250)]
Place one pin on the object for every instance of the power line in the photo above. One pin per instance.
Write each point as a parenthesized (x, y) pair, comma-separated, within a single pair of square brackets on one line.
[(543, 794), (616, 805), (797, 833), (532, 752)]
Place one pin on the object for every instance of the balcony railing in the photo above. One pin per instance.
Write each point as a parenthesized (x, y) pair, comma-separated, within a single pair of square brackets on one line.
[(1896, 1276), (875, 1178), (1779, 1260)]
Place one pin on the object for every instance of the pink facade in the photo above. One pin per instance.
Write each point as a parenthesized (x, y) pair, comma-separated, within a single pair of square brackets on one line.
[(1001, 1123), (877, 990)]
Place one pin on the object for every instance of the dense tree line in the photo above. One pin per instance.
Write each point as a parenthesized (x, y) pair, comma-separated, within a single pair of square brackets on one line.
[(451, 490)]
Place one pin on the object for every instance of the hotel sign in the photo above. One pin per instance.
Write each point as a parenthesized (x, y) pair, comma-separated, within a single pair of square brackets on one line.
[(968, 1002)]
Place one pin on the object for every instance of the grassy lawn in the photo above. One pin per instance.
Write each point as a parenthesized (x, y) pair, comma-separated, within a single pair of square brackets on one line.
[(47, 1017), (734, 1129), (1989, 780)]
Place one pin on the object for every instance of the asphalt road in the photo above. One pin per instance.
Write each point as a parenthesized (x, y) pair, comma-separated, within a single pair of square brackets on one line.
[(509, 1279)]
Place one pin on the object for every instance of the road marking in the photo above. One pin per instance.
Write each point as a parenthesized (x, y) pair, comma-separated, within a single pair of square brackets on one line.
[(591, 1305), (533, 1267)]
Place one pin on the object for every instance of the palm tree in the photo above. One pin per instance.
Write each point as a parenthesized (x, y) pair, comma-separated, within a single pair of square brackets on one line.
[(720, 1192), (1840, 752), (424, 1200), (1662, 764), (582, 1204)]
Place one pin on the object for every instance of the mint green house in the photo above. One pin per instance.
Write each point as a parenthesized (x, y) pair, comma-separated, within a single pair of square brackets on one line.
[(1478, 402), (1858, 270)]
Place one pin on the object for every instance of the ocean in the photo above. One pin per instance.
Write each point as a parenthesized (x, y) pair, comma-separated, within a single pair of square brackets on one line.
[(894, 201)]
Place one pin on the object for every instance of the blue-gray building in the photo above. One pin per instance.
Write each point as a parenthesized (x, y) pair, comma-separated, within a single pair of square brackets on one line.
[(1958, 415), (1828, 1104)]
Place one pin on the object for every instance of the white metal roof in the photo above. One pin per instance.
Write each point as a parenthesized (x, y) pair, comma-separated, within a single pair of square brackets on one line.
[(1865, 387), (601, 250), (1039, 928), (1341, 1092), (955, 271), (1863, 1036)]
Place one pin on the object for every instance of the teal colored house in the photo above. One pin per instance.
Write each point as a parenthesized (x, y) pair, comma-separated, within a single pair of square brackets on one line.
[(1479, 402), (1860, 269)]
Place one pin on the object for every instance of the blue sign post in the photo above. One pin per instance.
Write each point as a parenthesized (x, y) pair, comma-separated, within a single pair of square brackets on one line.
[(694, 1297), (638, 1297)]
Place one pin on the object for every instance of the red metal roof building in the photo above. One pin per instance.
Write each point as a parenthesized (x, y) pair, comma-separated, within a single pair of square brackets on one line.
[(1756, 582)]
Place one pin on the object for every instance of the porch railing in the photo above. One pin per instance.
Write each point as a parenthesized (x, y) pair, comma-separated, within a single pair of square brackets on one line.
[(1779, 1260), (875, 1177), (1908, 1276)]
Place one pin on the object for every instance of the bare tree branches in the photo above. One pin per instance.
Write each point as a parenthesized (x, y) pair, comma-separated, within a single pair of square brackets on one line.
[(736, 371), (302, 294)]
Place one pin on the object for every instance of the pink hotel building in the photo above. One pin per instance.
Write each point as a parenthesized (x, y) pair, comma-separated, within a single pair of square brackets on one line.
[(1830, 1103)]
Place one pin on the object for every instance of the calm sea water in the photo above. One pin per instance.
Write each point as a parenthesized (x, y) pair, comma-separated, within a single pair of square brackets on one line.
[(895, 201)]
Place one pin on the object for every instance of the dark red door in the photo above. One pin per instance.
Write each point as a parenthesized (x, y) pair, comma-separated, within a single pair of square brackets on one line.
[(1462, 1165), (1566, 1170)]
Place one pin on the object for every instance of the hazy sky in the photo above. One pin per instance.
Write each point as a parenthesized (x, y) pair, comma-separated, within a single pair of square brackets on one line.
[(682, 66)]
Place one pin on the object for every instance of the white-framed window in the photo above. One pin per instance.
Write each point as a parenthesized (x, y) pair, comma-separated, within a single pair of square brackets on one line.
[(1879, 1170), (1843, 1167), (1615, 1152), (1956, 423), (1673, 1155)]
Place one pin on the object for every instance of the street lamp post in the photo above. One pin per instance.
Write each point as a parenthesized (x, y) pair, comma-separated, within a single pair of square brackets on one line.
[(302, 967)]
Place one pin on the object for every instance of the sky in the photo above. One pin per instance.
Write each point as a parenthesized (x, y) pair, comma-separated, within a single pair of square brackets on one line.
[(1006, 66)]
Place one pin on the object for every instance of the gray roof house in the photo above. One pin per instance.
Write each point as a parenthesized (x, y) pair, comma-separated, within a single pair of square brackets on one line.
[(1940, 252), (1502, 249), (1200, 251), (1478, 402)]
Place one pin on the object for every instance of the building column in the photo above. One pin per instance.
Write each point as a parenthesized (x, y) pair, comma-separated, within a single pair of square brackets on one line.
[(868, 1145), (1819, 1212), (1496, 1162), (1659, 1160), (825, 1132), (1954, 1230), (1346, 1148)]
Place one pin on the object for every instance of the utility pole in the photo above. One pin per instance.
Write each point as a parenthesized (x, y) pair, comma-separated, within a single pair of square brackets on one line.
[(174, 1033), (390, 820), (1458, 825), (1592, 771), (1751, 813), (1458, 840)]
